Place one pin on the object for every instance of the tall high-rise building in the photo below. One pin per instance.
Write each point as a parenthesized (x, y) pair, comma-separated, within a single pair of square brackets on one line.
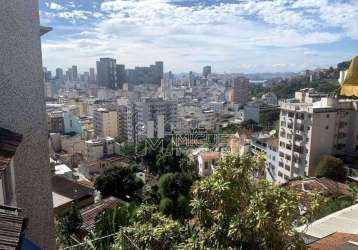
[(92, 76), (120, 74), (313, 125), (59, 74), (69, 75), (159, 71), (23, 111), (75, 73), (206, 71), (47, 75), (143, 75), (106, 73), (240, 91)]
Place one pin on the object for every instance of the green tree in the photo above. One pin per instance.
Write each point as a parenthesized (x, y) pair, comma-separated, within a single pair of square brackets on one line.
[(174, 189), (331, 167), (111, 221), (150, 230), (119, 182), (343, 65), (172, 161), (234, 210), (69, 222)]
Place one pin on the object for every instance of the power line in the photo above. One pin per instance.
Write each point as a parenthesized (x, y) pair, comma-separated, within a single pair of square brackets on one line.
[(104, 237)]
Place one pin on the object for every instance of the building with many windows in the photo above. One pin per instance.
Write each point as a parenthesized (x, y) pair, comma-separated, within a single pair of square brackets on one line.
[(151, 118), (106, 73), (240, 91), (313, 125), (105, 122)]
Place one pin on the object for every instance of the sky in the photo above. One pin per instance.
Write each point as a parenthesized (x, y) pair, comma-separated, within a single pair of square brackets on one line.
[(233, 36)]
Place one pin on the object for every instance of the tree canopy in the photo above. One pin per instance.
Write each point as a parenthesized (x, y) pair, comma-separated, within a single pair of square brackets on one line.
[(231, 210), (69, 222), (174, 191), (331, 167), (119, 182)]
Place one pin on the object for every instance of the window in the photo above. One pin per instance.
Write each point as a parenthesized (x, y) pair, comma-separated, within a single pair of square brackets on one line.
[(281, 154), (327, 115), (280, 174), (298, 149), (288, 157), (299, 138), (206, 165), (289, 136), (280, 164), (282, 144), (356, 147), (288, 146), (295, 170), (287, 167)]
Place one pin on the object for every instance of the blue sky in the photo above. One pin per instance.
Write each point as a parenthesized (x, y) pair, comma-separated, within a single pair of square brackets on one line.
[(245, 36)]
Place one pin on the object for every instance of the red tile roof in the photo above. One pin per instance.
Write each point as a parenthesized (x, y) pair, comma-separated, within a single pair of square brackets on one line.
[(207, 156), (334, 241), (90, 213), (11, 229)]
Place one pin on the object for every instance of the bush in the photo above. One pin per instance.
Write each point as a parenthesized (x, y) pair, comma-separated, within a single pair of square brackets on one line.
[(331, 167)]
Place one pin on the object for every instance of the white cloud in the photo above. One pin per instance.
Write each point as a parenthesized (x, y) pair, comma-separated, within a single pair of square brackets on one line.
[(54, 6), (226, 34)]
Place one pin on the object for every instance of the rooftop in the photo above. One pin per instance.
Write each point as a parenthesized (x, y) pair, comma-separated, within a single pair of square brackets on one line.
[(207, 156), (70, 189), (11, 229), (345, 221), (90, 213), (336, 241)]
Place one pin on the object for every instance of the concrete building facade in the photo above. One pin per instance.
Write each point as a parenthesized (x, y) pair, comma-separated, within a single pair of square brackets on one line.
[(22, 109), (105, 122), (240, 91), (313, 125)]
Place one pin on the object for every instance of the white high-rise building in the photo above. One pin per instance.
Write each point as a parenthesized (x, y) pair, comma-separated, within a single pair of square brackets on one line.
[(313, 125)]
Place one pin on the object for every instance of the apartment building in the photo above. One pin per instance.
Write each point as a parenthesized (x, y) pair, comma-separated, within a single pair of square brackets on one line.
[(240, 91), (313, 125), (105, 122), (97, 149), (151, 118), (268, 145)]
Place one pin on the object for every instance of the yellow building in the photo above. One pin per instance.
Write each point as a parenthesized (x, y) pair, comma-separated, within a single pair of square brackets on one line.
[(349, 79)]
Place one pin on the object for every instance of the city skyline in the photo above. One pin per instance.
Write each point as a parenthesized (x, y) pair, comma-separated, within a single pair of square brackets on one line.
[(232, 36)]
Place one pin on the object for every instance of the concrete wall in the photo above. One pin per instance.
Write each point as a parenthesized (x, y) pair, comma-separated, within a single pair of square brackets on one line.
[(22, 110)]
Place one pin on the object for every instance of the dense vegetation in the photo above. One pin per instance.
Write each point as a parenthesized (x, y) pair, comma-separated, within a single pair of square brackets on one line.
[(229, 209), (119, 182), (332, 168), (286, 88)]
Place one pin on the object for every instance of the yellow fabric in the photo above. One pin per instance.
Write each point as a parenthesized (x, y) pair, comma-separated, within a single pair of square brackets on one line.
[(350, 83)]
